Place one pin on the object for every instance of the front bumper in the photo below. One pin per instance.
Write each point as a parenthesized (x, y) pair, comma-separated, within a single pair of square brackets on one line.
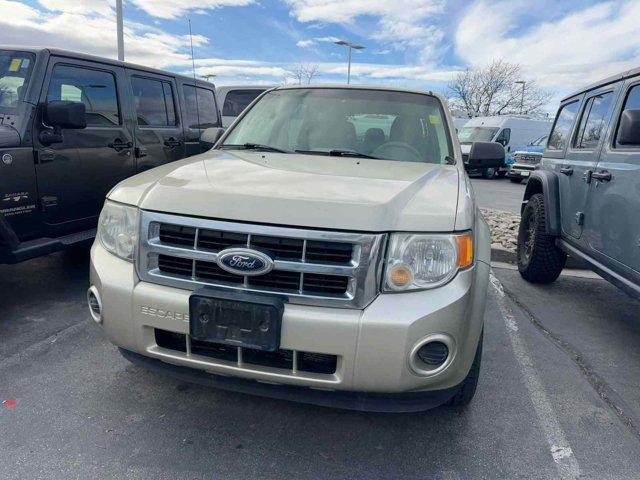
[(372, 345)]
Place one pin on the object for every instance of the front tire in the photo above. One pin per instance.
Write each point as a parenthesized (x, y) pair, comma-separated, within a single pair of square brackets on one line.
[(468, 387), (488, 173), (539, 259)]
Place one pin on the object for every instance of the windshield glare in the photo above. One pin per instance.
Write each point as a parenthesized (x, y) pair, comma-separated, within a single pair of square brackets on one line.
[(15, 68), (476, 134), (387, 125)]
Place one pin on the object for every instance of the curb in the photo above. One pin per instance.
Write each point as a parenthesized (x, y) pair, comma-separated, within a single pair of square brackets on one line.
[(507, 256)]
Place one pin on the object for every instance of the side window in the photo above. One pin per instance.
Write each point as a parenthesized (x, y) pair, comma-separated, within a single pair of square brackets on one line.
[(237, 100), (594, 119), (95, 88), (200, 107), (504, 137), (154, 102), (559, 136), (632, 102)]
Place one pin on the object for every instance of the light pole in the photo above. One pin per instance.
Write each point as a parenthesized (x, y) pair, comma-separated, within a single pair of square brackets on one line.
[(522, 95), (120, 27), (351, 46)]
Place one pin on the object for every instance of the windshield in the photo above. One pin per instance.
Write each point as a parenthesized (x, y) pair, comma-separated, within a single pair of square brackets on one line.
[(378, 124), (15, 68), (477, 134)]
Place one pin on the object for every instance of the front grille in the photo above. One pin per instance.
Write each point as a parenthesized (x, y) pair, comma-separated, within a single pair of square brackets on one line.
[(291, 360), (310, 267), (527, 158), (280, 280)]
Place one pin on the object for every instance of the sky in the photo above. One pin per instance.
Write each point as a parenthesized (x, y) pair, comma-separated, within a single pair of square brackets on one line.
[(562, 45)]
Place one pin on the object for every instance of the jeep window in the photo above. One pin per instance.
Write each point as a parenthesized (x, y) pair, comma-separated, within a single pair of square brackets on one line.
[(631, 103), (381, 124), (15, 69), (95, 88), (237, 100), (201, 111), (594, 118), (562, 128), (154, 102), (476, 134)]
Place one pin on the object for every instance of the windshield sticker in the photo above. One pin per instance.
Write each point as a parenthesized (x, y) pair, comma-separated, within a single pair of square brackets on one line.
[(25, 63), (14, 66), (434, 119)]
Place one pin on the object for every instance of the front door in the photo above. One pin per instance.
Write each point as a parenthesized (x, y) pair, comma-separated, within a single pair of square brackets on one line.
[(613, 221), (74, 176), (158, 132)]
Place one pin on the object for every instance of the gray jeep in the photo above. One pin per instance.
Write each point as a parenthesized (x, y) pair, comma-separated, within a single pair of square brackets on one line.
[(584, 198)]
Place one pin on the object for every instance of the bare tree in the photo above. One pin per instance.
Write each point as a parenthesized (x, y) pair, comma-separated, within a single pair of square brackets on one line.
[(304, 72), (497, 89)]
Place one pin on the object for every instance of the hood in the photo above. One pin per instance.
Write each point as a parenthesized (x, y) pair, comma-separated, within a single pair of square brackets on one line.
[(301, 190)]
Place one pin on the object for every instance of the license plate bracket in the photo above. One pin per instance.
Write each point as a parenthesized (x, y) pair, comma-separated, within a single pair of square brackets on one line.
[(236, 318)]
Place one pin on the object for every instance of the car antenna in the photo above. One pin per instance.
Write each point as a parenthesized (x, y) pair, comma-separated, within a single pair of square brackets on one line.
[(195, 84)]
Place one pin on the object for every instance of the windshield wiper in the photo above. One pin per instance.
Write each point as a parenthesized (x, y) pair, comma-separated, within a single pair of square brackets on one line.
[(338, 153), (257, 146)]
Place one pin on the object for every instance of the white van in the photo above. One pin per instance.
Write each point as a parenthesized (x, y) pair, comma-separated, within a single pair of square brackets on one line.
[(234, 99), (513, 132)]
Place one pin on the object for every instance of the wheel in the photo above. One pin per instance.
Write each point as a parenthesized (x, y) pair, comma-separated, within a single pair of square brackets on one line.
[(515, 180), (488, 173), (539, 259), (500, 173), (468, 387)]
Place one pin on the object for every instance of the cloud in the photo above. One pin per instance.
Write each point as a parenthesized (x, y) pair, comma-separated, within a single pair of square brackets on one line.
[(405, 23), (314, 41), (177, 8), (57, 26), (305, 43), (562, 54)]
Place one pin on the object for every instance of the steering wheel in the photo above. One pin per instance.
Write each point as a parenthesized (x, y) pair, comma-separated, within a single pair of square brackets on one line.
[(398, 151)]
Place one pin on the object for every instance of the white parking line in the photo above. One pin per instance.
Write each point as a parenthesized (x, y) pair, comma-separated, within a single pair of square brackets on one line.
[(559, 447)]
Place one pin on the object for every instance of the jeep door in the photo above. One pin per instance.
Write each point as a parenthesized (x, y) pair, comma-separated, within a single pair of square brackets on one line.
[(75, 175), (612, 224), (159, 137)]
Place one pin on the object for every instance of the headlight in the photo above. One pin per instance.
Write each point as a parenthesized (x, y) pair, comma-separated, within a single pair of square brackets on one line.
[(417, 262), (118, 229)]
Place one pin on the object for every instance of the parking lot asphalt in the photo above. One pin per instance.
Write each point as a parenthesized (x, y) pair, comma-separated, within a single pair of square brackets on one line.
[(557, 398), (498, 194)]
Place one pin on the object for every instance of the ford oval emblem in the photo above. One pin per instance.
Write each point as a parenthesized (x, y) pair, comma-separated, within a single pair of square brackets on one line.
[(244, 261)]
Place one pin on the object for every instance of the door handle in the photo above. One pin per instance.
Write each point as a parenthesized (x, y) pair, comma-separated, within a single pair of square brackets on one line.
[(118, 145), (602, 176), (172, 142), (566, 171)]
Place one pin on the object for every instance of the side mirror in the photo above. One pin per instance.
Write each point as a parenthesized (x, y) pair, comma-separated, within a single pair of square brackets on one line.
[(629, 130), (210, 137), (486, 155), (63, 114)]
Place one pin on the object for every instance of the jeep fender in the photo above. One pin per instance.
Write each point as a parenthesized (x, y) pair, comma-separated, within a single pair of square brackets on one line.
[(546, 183)]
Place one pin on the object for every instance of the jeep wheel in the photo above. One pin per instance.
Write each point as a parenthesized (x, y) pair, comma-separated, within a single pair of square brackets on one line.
[(515, 180), (539, 260), (488, 173), (501, 173), (468, 386)]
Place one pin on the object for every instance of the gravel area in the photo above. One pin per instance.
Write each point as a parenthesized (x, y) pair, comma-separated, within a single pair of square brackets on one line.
[(504, 228)]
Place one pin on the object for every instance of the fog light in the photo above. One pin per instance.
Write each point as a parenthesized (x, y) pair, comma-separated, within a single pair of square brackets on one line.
[(95, 305), (433, 353)]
